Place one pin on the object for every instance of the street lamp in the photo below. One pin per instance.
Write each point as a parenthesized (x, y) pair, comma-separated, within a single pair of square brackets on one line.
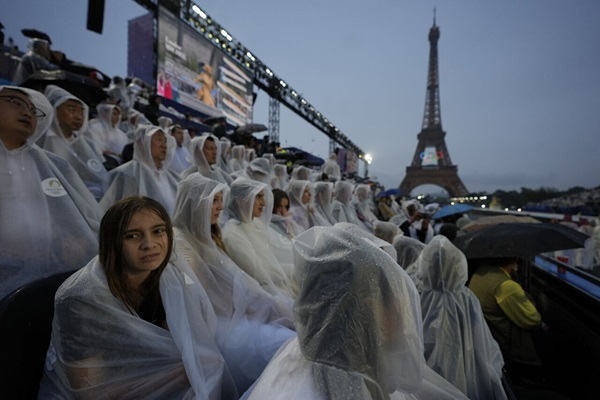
[(368, 159)]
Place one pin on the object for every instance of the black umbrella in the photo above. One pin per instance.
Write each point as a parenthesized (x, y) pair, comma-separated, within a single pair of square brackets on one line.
[(214, 120), (35, 34), (85, 88), (304, 157), (249, 129), (519, 240)]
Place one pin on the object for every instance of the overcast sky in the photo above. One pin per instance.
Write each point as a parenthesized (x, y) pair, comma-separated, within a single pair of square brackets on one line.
[(519, 80)]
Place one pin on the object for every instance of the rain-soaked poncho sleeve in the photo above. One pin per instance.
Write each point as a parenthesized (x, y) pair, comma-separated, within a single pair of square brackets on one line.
[(99, 349), (386, 231), (182, 159), (248, 247), (193, 325), (458, 343)]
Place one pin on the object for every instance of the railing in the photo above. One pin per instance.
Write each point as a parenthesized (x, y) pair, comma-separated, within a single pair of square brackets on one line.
[(588, 283), (569, 300)]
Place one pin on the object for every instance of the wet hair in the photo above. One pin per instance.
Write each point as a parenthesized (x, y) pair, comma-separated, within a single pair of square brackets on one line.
[(449, 230), (112, 233), (215, 234), (278, 196), (411, 208)]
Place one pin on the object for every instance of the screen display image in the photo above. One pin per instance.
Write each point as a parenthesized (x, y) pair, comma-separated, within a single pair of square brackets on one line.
[(197, 74)]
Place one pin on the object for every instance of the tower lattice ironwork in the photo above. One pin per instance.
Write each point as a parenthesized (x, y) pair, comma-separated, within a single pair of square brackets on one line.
[(431, 162), (273, 119)]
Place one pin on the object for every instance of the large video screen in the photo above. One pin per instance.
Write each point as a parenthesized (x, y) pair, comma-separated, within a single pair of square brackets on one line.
[(197, 74)]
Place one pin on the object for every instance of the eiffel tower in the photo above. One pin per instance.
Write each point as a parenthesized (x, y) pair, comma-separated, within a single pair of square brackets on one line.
[(431, 163)]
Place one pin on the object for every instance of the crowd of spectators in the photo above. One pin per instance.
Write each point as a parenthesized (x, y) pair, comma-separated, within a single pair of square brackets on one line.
[(204, 265), (586, 202)]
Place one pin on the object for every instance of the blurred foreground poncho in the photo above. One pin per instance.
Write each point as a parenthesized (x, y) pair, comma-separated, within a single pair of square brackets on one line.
[(358, 322)]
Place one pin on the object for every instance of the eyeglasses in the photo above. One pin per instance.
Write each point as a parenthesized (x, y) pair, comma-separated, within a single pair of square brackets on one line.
[(24, 106)]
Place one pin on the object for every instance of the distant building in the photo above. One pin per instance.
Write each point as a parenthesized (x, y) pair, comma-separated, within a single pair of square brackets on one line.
[(141, 57)]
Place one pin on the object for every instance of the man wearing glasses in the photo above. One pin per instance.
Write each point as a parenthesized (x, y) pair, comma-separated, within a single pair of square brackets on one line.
[(48, 218)]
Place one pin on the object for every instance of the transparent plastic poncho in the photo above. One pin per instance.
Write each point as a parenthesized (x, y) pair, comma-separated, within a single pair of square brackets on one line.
[(364, 204), (249, 242), (108, 137), (237, 158), (342, 207), (141, 176), (281, 176), (324, 201), (99, 349), (49, 219), (182, 157), (251, 323), (79, 150), (201, 164), (358, 322), (458, 343), (386, 231)]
